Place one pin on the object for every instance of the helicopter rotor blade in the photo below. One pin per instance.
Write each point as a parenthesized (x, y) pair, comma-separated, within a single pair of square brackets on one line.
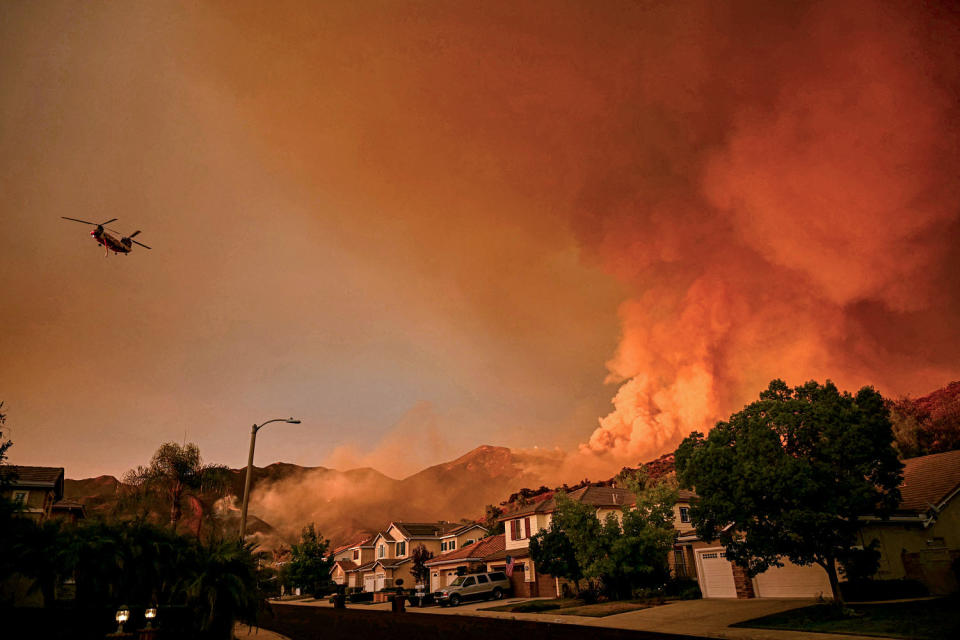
[(132, 235), (108, 222), (83, 221), (140, 243)]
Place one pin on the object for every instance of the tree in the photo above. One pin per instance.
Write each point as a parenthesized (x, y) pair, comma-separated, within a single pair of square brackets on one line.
[(309, 565), (632, 551), (791, 475), (5, 478), (176, 472), (554, 554), (491, 516), (419, 557)]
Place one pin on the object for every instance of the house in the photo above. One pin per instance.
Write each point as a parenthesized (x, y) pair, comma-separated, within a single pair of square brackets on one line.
[(349, 558), (921, 539), (392, 549), (38, 491), (470, 558), (526, 520), (918, 541)]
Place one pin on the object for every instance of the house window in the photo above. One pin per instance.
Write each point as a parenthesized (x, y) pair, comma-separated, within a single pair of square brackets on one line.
[(679, 564), (381, 550), (452, 545), (20, 497), (470, 541), (443, 545), (684, 514), (356, 554), (401, 549), (520, 529)]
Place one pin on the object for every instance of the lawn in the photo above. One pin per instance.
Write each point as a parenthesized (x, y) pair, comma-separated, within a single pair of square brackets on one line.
[(572, 607), (919, 620)]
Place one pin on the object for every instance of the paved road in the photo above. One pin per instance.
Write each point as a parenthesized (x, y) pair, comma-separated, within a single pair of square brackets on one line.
[(692, 618)]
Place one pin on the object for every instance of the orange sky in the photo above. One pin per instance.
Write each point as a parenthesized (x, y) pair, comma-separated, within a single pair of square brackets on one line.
[(454, 225)]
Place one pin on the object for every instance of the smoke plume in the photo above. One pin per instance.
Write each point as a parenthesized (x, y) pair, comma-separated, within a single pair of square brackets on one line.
[(789, 208)]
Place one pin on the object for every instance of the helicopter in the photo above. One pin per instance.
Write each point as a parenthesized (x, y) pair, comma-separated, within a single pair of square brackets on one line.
[(109, 242)]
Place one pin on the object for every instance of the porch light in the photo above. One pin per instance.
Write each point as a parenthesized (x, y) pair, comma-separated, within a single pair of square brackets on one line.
[(150, 614), (123, 614)]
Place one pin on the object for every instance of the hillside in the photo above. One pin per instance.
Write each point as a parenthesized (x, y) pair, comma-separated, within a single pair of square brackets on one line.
[(928, 424), (285, 497)]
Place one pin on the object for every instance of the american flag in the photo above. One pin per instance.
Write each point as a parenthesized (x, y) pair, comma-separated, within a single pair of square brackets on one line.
[(510, 564)]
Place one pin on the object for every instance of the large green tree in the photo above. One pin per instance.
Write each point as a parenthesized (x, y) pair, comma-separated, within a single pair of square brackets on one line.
[(309, 564), (178, 472), (791, 474), (554, 553), (623, 553)]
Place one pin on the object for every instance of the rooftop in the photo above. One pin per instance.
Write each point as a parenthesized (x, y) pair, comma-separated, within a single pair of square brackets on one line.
[(929, 480), (479, 550)]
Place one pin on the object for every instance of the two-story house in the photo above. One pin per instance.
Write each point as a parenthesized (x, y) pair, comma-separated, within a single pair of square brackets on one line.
[(469, 558), (38, 492), (349, 557), (526, 521), (392, 549)]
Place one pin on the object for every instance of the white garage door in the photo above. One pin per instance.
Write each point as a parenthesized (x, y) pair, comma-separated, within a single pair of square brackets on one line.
[(792, 581), (381, 580), (368, 583), (716, 574)]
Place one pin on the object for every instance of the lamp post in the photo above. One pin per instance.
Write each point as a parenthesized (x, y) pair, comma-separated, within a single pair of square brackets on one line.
[(246, 484)]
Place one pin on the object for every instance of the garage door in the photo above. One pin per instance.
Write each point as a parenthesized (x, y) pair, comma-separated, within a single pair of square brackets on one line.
[(792, 581), (716, 574)]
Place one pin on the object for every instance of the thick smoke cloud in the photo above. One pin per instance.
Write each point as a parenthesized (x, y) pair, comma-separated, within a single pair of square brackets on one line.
[(801, 215)]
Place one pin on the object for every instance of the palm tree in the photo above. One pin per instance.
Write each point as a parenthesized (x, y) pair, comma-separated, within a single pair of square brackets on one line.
[(223, 585), (177, 471)]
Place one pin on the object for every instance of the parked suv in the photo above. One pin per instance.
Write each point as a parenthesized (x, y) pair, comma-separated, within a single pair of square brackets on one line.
[(476, 585)]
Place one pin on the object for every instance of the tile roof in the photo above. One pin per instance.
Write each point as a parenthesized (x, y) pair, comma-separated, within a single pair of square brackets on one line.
[(426, 529), (359, 540), (929, 480), (389, 563), (346, 565), (33, 476), (594, 496), (366, 566), (479, 550), (464, 528), (522, 552)]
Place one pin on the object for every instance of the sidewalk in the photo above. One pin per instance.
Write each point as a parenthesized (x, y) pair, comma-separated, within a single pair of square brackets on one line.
[(690, 617)]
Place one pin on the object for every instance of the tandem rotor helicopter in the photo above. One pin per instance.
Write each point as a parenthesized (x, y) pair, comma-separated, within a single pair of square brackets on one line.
[(109, 242)]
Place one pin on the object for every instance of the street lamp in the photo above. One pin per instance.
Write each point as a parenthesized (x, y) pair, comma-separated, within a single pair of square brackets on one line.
[(246, 484), (123, 614)]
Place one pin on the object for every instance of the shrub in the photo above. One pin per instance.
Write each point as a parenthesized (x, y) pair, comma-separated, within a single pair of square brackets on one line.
[(683, 588), (362, 596), (882, 589), (589, 596)]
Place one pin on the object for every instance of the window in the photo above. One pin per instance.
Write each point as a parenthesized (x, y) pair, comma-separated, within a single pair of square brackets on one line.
[(684, 514), (20, 497), (381, 550), (356, 554), (470, 541), (452, 545), (401, 549), (482, 579), (469, 582), (679, 564), (520, 529), (443, 545)]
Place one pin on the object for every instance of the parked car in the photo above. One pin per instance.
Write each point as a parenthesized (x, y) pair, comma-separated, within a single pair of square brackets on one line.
[(476, 585)]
